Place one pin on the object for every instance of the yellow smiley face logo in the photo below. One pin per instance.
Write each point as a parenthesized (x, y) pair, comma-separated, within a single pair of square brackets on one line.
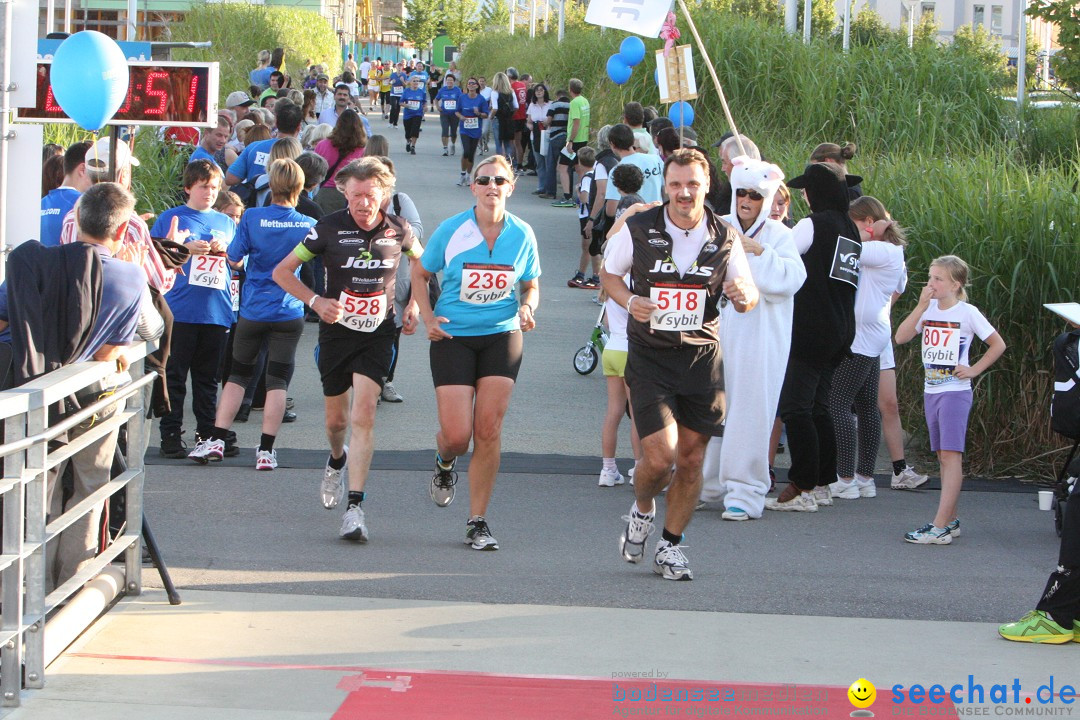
[(862, 693)]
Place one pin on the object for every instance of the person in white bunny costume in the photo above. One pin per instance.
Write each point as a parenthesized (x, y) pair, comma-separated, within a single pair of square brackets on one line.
[(755, 345)]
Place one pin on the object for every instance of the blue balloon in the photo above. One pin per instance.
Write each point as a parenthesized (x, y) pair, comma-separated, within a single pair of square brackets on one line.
[(617, 70), (632, 50), (89, 78), (681, 113)]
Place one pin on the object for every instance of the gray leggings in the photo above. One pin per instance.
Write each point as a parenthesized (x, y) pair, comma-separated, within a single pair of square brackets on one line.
[(855, 384), (283, 338)]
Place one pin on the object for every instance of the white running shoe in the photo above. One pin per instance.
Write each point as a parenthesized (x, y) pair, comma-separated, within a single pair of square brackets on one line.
[(332, 483), (822, 496), (610, 478), (390, 393), (265, 459), (638, 529), (479, 537), (867, 488), (208, 451), (352, 525), (630, 474), (735, 513), (803, 502), (908, 479), (844, 489), (670, 562)]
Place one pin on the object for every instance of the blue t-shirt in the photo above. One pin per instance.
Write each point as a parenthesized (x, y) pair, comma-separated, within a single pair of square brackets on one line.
[(413, 102), (197, 304), (451, 99), (117, 320), (201, 154), (252, 161), (489, 302), (419, 75), (261, 77), (397, 83), (469, 107), (54, 207), (266, 235)]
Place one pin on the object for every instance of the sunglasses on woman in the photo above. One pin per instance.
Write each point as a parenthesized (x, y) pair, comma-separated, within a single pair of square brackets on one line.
[(488, 179), (752, 194)]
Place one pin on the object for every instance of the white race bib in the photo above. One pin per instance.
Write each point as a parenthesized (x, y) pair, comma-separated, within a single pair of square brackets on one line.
[(412, 104), (484, 284), (449, 104), (209, 271), (434, 83), (234, 291), (396, 90), (363, 311), (470, 123), (678, 308), (941, 343)]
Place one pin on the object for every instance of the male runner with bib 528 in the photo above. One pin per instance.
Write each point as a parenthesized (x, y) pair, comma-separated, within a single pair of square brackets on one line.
[(682, 259), (361, 247)]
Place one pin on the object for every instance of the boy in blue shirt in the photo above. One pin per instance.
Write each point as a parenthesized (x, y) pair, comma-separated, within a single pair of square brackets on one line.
[(56, 204), (201, 304)]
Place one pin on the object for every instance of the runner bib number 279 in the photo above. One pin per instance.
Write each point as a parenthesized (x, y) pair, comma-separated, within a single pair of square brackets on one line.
[(209, 271)]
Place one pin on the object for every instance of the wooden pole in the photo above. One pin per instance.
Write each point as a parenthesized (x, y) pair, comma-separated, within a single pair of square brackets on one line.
[(716, 80)]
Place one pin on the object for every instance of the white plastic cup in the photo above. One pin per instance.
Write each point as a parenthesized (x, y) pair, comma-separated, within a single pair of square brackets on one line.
[(1046, 499)]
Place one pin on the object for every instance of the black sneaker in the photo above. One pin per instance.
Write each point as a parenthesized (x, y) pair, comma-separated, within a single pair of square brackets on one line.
[(232, 445), (478, 536), (288, 417), (173, 447)]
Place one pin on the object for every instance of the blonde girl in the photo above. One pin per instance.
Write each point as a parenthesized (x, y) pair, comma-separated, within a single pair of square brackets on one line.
[(947, 324)]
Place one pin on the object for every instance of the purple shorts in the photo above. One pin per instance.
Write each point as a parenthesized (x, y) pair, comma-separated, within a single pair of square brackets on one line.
[(947, 419)]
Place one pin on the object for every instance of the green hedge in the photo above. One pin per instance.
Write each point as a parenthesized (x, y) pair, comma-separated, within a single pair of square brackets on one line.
[(936, 145), (239, 31)]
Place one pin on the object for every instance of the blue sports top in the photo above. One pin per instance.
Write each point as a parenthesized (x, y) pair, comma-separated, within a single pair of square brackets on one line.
[(54, 207), (487, 301), (450, 99), (469, 107), (196, 304), (413, 102)]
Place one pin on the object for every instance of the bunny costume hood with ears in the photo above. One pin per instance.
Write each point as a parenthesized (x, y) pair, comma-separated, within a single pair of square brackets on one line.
[(760, 176)]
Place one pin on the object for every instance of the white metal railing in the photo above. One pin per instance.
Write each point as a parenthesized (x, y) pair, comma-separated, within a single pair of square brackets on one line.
[(27, 460)]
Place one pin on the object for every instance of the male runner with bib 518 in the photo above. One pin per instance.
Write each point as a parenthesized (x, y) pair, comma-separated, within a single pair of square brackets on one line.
[(361, 247), (682, 259)]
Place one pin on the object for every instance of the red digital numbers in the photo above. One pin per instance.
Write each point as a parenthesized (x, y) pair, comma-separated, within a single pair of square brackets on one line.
[(193, 91), (127, 98), (51, 104), (161, 95)]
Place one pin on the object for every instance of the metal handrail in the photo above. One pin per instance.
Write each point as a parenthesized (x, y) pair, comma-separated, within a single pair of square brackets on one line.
[(27, 463)]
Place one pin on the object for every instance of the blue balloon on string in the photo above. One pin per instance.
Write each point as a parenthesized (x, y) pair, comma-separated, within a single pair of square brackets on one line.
[(89, 78), (681, 113), (617, 70), (632, 50)]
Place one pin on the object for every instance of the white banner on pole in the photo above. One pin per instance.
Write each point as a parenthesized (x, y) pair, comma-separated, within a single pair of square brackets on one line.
[(641, 17)]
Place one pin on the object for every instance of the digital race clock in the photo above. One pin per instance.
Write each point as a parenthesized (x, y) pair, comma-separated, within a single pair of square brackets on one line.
[(171, 94)]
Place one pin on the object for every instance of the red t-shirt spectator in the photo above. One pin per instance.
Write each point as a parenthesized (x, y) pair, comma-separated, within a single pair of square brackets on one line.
[(521, 91)]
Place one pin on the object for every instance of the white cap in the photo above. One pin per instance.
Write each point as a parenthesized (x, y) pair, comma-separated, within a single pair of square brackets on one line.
[(97, 157)]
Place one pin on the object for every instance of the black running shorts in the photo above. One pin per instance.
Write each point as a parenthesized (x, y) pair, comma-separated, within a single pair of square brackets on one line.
[(676, 385), (343, 353), (412, 126), (464, 359)]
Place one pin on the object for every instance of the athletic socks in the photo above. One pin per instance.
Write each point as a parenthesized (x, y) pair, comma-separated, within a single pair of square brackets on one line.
[(899, 466), (266, 442), (672, 538), (337, 463), (609, 464), (219, 433), (355, 498), (443, 464)]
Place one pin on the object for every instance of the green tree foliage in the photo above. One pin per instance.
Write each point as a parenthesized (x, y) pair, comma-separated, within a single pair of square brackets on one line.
[(460, 20), (867, 28), (1066, 63), (495, 15), (822, 18), (767, 11), (239, 31), (982, 47), (421, 22)]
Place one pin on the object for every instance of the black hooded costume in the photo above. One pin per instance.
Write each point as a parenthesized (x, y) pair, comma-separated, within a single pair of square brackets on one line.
[(823, 325)]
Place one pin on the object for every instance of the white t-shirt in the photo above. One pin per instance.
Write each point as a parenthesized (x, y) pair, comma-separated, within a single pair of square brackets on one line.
[(685, 249), (495, 101), (486, 94), (616, 322), (881, 273), (537, 113), (966, 321), (584, 187), (652, 167), (365, 70), (644, 140), (354, 89)]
